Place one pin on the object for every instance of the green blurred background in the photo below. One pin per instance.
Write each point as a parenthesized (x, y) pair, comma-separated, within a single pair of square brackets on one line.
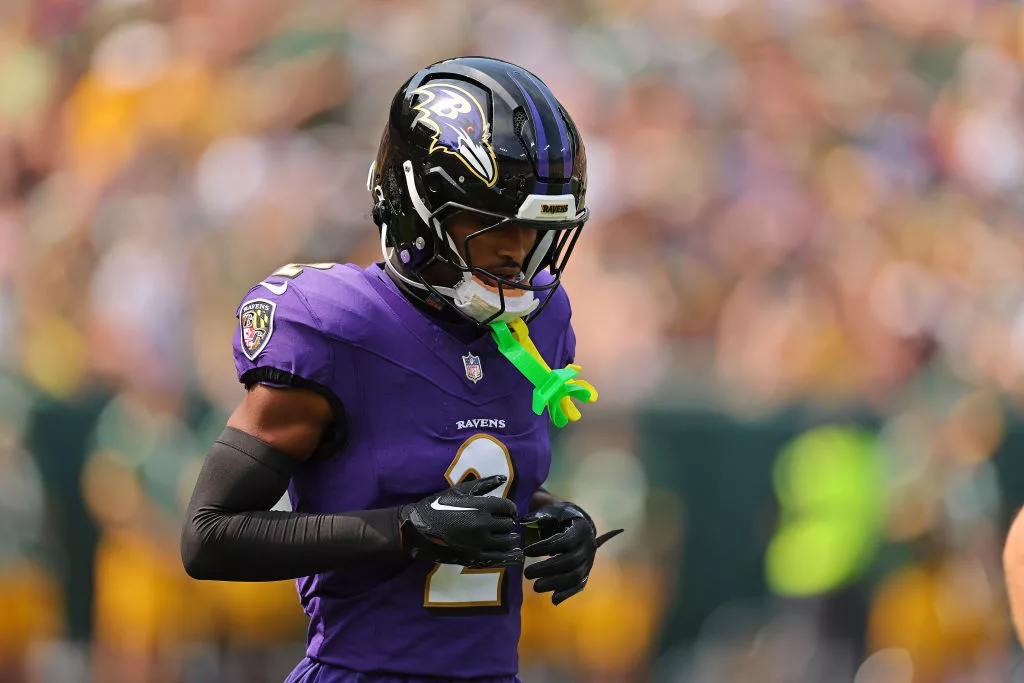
[(801, 296)]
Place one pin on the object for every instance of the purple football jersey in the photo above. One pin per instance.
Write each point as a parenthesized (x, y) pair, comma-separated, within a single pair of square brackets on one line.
[(427, 405)]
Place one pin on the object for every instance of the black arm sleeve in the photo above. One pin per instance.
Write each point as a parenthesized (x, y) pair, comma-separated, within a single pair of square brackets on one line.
[(230, 534)]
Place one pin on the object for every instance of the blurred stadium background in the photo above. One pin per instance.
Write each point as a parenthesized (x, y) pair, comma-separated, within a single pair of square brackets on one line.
[(801, 296)]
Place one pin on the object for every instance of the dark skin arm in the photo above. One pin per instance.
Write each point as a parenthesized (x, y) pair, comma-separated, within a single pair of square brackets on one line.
[(231, 533), (291, 420), (542, 498)]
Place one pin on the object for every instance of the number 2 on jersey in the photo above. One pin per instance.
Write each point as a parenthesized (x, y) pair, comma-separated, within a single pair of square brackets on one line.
[(293, 270), (452, 586)]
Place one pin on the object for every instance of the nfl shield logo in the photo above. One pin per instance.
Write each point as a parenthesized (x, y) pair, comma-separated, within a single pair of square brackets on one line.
[(474, 373)]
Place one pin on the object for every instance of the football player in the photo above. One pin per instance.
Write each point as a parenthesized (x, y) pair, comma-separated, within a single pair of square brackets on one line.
[(379, 400)]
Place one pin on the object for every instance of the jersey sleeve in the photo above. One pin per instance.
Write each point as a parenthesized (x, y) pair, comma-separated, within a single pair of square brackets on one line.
[(568, 345), (279, 341), (561, 315)]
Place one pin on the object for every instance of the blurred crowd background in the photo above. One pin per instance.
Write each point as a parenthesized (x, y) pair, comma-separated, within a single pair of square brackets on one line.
[(801, 296)]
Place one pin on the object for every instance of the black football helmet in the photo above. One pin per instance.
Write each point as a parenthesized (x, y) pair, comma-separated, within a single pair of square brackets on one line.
[(483, 136)]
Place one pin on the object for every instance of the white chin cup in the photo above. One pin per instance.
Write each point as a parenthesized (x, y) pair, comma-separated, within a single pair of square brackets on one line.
[(480, 303)]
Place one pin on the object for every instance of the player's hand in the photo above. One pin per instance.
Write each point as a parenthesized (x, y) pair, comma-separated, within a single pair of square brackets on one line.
[(463, 525), (568, 535)]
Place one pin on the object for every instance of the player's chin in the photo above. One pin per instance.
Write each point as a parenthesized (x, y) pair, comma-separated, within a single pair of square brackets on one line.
[(487, 281)]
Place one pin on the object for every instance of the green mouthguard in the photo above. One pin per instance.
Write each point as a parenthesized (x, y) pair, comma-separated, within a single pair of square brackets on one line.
[(550, 386)]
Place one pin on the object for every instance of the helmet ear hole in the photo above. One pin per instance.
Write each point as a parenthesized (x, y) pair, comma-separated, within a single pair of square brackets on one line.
[(433, 183)]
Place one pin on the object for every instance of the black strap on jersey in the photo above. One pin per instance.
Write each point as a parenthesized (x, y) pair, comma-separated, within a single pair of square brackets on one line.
[(230, 533)]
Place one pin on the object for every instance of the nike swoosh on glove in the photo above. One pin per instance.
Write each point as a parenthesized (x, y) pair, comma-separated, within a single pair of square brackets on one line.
[(463, 525), (568, 534)]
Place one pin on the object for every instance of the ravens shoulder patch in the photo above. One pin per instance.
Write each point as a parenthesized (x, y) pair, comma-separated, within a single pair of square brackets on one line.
[(256, 320)]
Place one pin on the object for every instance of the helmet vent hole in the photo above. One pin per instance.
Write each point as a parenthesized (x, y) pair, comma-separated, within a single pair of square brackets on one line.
[(519, 120)]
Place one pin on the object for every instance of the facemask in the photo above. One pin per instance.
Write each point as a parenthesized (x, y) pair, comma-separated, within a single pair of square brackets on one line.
[(472, 297), (480, 302)]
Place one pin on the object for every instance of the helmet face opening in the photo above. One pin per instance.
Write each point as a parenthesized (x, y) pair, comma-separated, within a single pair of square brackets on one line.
[(485, 138), (550, 251), (550, 248)]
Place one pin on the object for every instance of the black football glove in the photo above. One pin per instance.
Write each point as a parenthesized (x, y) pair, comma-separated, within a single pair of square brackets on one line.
[(568, 534), (461, 525)]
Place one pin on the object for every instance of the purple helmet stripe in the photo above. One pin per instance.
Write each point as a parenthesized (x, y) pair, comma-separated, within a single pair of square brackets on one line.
[(543, 168), (562, 133), (541, 187)]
